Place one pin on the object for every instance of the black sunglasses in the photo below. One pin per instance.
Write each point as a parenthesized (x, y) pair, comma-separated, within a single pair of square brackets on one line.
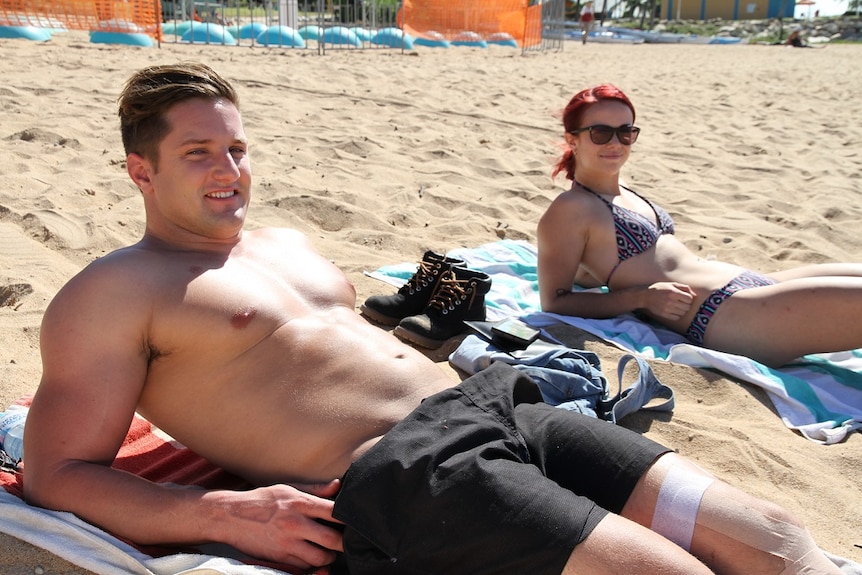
[(601, 134)]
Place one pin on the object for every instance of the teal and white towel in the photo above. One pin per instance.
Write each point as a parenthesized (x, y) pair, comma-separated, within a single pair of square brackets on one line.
[(819, 395)]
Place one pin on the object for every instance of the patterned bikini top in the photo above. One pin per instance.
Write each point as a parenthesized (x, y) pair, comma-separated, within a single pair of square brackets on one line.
[(635, 232)]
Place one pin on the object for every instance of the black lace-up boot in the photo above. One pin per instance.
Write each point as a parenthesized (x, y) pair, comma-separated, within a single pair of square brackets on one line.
[(413, 296), (460, 296)]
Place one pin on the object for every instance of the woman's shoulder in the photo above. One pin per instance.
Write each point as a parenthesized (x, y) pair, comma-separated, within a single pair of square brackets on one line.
[(571, 207), (578, 199)]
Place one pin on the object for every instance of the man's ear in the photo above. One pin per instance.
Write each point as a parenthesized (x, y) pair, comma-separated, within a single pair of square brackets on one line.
[(140, 170)]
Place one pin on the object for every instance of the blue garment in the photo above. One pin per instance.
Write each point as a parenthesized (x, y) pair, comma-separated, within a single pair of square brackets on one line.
[(569, 378)]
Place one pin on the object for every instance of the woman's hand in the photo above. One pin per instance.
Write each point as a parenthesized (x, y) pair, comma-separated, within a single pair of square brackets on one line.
[(669, 300)]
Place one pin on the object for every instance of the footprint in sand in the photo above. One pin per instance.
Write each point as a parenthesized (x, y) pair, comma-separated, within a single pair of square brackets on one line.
[(11, 295), (45, 137), (69, 231), (327, 214)]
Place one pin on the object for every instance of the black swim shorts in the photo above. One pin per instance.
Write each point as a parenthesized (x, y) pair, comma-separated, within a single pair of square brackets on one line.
[(484, 478)]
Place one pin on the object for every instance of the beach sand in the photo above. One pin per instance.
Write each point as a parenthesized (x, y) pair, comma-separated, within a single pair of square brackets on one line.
[(378, 156)]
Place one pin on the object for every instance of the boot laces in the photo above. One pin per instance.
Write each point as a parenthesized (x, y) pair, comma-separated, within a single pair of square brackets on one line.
[(423, 277), (451, 292)]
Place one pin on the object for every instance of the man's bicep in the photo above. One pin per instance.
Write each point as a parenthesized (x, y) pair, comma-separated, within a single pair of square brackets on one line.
[(94, 367)]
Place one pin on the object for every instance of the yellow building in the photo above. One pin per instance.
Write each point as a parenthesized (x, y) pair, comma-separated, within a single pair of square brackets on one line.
[(728, 9)]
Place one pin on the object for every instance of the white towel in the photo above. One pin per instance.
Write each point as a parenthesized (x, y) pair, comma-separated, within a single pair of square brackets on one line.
[(82, 544)]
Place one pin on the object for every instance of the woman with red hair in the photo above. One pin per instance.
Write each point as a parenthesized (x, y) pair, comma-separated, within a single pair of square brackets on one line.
[(603, 235)]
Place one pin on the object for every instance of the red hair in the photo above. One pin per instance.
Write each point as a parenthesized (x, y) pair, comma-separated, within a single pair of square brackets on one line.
[(574, 113)]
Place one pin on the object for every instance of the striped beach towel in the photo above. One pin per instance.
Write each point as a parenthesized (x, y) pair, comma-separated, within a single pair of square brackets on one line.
[(819, 395)]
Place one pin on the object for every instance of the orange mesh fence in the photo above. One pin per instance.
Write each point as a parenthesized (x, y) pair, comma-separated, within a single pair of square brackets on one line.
[(533, 26), (454, 18), (142, 16)]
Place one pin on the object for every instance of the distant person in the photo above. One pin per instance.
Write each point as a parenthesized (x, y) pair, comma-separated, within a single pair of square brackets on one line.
[(587, 18), (795, 39), (603, 235)]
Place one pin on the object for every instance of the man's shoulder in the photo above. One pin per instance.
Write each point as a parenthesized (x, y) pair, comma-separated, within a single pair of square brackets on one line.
[(116, 285), (129, 261), (128, 268)]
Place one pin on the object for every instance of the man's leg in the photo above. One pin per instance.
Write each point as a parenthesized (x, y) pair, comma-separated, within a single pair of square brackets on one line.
[(606, 464), (730, 531), (620, 546)]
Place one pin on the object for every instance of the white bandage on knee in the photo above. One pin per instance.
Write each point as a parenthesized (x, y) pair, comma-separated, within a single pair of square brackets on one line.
[(678, 507), (678, 502), (778, 538)]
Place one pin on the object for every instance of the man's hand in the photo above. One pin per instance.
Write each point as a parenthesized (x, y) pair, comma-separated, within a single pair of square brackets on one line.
[(669, 300), (288, 524)]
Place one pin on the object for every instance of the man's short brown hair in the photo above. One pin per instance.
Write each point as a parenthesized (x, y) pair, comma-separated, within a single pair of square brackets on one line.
[(152, 91)]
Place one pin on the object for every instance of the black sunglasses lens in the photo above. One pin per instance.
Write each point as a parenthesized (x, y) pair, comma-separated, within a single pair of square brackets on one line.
[(601, 135), (627, 135)]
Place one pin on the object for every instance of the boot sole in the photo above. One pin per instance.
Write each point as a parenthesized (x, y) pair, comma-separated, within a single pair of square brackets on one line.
[(379, 317), (419, 340)]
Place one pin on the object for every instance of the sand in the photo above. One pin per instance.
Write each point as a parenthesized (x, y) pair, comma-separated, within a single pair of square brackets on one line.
[(378, 156)]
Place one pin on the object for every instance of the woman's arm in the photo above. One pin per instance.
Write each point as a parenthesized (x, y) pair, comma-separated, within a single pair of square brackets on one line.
[(564, 233)]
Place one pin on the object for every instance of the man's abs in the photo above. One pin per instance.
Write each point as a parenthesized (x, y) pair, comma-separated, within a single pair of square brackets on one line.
[(299, 405)]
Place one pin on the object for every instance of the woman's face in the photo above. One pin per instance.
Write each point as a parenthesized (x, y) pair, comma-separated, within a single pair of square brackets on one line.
[(605, 158)]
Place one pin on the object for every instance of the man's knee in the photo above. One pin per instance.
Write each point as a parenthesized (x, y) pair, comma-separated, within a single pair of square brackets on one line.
[(770, 530), (689, 503)]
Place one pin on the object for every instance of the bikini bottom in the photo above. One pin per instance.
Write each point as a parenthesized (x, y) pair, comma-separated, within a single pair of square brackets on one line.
[(745, 280)]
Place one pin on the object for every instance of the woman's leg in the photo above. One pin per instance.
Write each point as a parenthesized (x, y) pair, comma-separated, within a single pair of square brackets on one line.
[(818, 270), (778, 323), (730, 531)]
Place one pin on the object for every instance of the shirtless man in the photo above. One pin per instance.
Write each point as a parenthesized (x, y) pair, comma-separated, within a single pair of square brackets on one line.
[(246, 347)]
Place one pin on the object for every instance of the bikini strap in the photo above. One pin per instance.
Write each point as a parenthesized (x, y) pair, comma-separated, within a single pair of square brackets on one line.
[(599, 196), (606, 288)]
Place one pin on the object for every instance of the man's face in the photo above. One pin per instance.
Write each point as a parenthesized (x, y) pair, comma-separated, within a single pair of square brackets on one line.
[(203, 184)]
